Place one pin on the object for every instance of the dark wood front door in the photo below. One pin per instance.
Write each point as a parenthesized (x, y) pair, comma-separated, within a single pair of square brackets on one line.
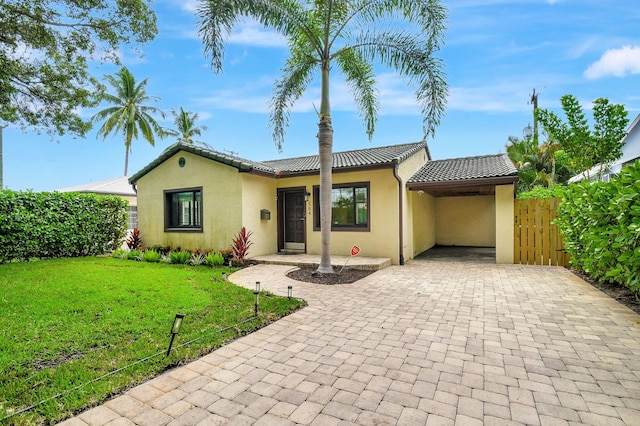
[(292, 208)]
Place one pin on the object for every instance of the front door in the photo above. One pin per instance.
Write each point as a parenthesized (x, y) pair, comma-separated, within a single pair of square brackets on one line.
[(292, 211)]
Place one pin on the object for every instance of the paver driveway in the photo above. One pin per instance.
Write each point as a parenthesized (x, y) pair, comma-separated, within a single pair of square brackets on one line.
[(427, 343)]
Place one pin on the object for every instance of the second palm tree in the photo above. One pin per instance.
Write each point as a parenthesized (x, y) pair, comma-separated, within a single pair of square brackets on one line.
[(129, 114)]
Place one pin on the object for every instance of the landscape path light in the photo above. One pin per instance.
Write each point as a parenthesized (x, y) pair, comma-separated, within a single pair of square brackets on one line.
[(258, 286), (255, 307), (289, 291), (175, 329)]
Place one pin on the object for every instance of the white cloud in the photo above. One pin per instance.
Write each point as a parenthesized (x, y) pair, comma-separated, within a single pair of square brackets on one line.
[(240, 59), (252, 33), (615, 62), (577, 50), (249, 96), (189, 5), (482, 99)]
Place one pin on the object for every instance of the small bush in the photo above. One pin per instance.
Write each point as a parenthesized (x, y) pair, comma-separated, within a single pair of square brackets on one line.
[(215, 259), (241, 244), (180, 257), (227, 255), (197, 259), (151, 256), (134, 255), (120, 254), (161, 249), (134, 241)]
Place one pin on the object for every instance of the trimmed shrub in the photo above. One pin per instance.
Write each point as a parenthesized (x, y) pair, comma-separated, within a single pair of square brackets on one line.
[(555, 191), (53, 224), (600, 224)]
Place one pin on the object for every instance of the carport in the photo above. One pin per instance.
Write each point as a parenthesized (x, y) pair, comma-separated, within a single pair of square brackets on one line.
[(464, 202)]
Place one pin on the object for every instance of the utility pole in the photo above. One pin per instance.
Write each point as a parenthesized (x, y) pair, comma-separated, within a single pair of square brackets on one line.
[(534, 101)]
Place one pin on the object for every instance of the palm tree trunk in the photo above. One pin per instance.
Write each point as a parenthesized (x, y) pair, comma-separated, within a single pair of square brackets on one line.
[(325, 143), (126, 161)]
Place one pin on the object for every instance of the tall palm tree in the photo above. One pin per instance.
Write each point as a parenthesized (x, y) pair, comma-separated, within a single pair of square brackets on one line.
[(348, 35), (129, 115), (185, 123)]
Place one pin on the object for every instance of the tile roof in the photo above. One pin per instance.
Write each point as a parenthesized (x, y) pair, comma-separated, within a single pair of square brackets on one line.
[(467, 168), (349, 159), (367, 157), (117, 186)]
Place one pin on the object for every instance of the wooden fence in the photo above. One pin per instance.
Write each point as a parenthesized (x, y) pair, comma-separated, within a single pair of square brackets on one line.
[(537, 241)]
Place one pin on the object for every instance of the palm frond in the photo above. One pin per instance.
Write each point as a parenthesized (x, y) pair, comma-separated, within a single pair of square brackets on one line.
[(408, 55), (359, 75), (218, 17), (287, 90)]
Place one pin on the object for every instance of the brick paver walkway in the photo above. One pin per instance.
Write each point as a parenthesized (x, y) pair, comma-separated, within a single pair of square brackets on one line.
[(432, 343)]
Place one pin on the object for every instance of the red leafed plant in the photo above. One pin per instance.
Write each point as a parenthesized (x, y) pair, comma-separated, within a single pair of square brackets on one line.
[(134, 241), (241, 244)]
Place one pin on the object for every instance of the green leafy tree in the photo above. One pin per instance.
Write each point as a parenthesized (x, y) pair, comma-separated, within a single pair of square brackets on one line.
[(185, 126), (538, 164), (586, 148), (44, 49), (129, 115), (348, 36)]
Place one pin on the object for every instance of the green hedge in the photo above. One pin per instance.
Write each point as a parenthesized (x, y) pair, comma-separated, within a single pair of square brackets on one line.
[(600, 223), (52, 224)]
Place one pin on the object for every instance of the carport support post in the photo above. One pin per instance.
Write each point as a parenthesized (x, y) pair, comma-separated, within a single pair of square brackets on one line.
[(504, 199)]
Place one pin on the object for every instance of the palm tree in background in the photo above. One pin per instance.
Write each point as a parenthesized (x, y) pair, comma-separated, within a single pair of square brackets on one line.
[(129, 115), (348, 36), (538, 164), (185, 126)]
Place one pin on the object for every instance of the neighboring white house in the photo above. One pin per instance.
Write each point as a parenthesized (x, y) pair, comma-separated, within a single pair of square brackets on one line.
[(119, 187), (630, 153)]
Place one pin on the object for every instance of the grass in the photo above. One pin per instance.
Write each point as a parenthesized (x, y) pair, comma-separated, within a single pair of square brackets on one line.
[(66, 322)]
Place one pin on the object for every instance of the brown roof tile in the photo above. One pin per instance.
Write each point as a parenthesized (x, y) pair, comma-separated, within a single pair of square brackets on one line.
[(367, 157), (456, 169), (349, 159)]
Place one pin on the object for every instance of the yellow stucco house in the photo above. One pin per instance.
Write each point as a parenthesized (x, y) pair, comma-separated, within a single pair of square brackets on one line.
[(391, 201)]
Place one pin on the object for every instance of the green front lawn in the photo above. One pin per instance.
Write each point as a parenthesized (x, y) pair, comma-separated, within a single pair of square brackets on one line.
[(66, 322)]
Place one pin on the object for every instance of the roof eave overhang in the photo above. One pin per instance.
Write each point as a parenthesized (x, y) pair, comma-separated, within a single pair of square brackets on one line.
[(173, 150), (462, 183), (389, 165)]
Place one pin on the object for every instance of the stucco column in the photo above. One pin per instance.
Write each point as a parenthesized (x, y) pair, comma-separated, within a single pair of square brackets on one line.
[(504, 223)]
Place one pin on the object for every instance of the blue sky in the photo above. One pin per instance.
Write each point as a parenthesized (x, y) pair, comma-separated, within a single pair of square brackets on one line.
[(496, 52)]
